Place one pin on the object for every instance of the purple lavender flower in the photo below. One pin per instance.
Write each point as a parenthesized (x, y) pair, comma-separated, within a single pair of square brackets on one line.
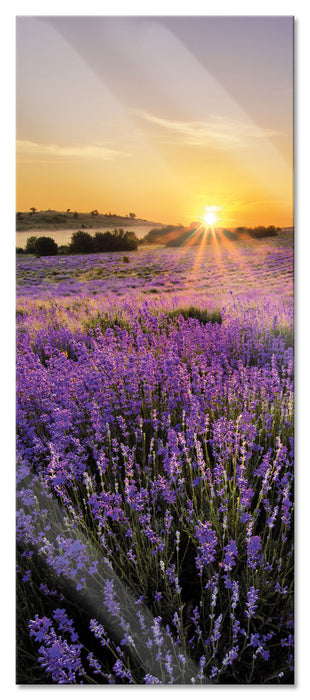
[(168, 666), (58, 658), (231, 656), (214, 672), (254, 546), (39, 627), (109, 598), (26, 576), (237, 629), (251, 603), (216, 635), (255, 640), (151, 680), (286, 506), (97, 629), (62, 661), (235, 594), (231, 553), (94, 664), (64, 624), (120, 671), (207, 545), (272, 517)]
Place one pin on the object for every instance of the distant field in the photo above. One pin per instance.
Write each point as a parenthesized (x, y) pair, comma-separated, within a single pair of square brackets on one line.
[(256, 267)]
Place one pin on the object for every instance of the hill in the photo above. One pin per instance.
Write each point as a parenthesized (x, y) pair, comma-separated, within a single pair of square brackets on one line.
[(56, 220)]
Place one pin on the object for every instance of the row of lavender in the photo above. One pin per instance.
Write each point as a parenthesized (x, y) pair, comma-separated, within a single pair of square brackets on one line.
[(155, 491)]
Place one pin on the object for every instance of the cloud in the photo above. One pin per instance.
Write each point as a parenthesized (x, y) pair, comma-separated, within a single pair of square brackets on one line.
[(32, 150), (218, 132)]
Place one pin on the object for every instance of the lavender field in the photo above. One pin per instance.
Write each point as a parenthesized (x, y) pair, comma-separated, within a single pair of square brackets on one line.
[(155, 466)]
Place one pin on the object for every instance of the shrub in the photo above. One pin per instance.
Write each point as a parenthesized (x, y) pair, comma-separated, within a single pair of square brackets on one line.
[(103, 242), (81, 242), (63, 250), (124, 240), (262, 231), (45, 245), (31, 245)]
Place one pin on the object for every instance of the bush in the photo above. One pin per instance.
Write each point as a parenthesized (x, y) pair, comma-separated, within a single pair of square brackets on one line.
[(117, 240), (124, 240), (45, 245), (31, 245), (103, 242), (81, 242), (262, 231), (63, 250)]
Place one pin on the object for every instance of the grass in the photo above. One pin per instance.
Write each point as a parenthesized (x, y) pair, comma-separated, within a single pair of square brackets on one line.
[(103, 321), (202, 315)]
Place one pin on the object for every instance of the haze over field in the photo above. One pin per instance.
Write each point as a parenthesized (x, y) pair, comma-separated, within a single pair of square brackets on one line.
[(163, 116)]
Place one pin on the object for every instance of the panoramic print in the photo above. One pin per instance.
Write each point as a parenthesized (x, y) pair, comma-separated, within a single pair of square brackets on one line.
[(154, 350)]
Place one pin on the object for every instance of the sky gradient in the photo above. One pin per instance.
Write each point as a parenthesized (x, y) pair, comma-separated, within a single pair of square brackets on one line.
[(163, 116)]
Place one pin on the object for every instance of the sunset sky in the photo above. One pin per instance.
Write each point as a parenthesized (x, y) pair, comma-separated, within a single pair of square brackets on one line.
[(163, 116)]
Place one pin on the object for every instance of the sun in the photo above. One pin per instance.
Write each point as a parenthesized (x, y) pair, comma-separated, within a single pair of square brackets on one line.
[(210, 217)]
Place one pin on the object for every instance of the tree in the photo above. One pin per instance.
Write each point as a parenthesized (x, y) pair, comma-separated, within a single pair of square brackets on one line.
[(124, 240), (31, 245), (262, 231), (95, 212), (81, 242), (103, 242), (33, 210), (45, 245), (132, 215)]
